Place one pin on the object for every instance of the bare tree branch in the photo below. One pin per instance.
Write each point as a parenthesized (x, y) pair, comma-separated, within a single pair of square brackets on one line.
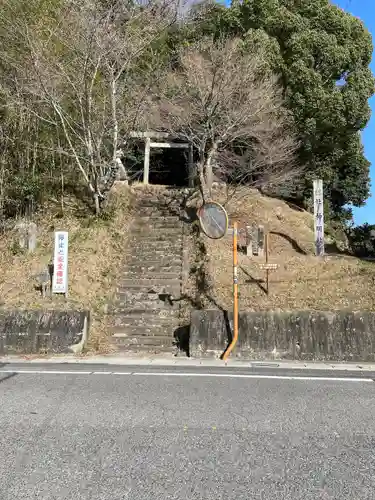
[(85, 67), (221, 101)]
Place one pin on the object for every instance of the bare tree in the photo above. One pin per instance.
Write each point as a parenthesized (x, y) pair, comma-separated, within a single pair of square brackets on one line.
[(87, 74), (222, 101)]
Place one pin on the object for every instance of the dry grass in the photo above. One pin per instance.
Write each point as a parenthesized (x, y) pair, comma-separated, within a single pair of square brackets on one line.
[(96, 246), (302, 280)]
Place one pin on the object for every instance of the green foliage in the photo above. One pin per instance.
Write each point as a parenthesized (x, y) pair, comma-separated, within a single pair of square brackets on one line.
[(362, 240), (23, 195), (322, 56)]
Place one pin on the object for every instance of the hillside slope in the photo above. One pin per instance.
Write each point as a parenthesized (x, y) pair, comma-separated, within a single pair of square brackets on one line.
[(96, 247), (98, 250), (302, 280)]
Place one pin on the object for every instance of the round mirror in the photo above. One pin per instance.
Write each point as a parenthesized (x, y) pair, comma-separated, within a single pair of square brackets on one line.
[(213, 220)]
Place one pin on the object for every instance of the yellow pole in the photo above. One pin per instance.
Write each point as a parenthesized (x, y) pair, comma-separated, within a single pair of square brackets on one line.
[(235, 295)]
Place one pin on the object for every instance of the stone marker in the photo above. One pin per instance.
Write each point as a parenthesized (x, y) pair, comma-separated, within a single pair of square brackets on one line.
[(27, 235), (44, 281), (261, 237)]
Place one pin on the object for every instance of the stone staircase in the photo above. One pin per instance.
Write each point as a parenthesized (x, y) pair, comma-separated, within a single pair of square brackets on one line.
[(145, 316)]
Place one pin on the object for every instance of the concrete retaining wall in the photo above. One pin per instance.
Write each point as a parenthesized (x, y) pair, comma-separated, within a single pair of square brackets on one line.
[(48, 332), (305, 335)]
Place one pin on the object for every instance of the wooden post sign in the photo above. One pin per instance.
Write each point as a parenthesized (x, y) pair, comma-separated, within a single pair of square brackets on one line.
[(319, 217), (60, 261)]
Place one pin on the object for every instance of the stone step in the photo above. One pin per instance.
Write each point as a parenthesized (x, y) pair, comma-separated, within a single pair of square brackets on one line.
[(125, 295), (147, 274), (155, 233), (159, 207), (124, 347), (156, 225), (143, 290), (155, 237), (157, 253), (150, 322), (159, 203), (148, 221), (129, 313), (155, 213), (157, 341), (143, 331), (147, 350), (145, 223), (122, 307), (164, 219), (121, 332), (163, 265), (156, 246), (175, 259), (147, 283), (143, 258), (146, 245), (157, 242), (144, 267)]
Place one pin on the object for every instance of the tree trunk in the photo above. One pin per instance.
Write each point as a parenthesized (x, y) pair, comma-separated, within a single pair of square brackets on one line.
[(208, 168), (114, 119), (209, 173), (204, 189)]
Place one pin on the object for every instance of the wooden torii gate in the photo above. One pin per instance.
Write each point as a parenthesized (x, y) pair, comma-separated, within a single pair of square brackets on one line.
[(165, 140)]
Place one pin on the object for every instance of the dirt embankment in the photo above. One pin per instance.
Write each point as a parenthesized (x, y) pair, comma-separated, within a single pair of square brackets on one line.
[(302, 280), (97, 246)]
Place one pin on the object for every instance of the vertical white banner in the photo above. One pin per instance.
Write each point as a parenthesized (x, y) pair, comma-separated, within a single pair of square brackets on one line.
[(319, 217), (60, 263)]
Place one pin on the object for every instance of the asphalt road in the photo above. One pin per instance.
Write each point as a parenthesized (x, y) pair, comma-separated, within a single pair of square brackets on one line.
[(83, 432)]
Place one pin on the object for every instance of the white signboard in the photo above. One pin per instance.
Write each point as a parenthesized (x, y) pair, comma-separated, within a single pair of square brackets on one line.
[(319, 217), (60, 273)]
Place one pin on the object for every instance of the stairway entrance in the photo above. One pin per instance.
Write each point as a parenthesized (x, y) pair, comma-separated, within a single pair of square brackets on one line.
[(146, 309), (167, 160)]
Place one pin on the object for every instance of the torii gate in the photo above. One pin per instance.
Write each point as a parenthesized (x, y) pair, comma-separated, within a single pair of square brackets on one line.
[(166, 141)]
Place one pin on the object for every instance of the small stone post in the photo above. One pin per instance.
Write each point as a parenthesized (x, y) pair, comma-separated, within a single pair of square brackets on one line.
[(27, 235), (260, 241), (32, 237), (249, 246)]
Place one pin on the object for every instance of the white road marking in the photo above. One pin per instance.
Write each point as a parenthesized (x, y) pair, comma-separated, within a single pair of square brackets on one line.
[(253, 376), (46, 372), (187, 374)]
